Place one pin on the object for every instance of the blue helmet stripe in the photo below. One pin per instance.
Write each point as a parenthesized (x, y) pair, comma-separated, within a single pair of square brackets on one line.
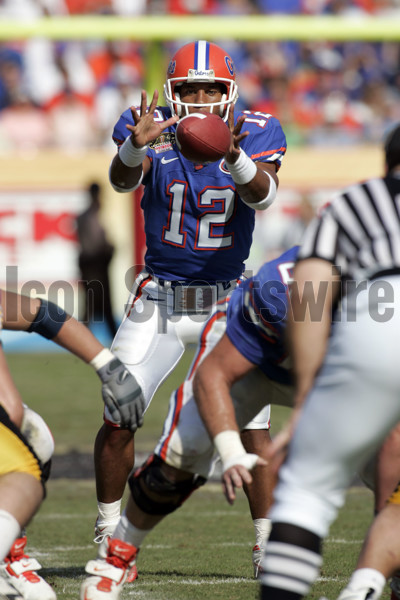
[(201, 56), (207, 56)]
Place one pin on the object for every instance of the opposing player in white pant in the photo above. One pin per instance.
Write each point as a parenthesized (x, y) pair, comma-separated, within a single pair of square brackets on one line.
[(26, 443), (185, 455), (198, 221)]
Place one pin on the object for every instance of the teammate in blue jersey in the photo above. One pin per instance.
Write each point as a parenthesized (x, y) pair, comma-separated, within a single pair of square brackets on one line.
[(199, 221), (250, 365), (241, 363)]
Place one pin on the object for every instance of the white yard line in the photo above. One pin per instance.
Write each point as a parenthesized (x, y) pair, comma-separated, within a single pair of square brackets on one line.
[(77, 548)]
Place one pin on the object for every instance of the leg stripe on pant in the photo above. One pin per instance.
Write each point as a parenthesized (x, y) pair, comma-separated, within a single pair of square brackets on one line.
[(177, 409), (202, 345)]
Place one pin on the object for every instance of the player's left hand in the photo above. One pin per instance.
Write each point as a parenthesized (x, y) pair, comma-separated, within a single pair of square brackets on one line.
[(236, 472), (237, 136), (122, 394)]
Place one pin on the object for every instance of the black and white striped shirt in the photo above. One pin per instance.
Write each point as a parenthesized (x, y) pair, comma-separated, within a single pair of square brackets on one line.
[(359, 231)]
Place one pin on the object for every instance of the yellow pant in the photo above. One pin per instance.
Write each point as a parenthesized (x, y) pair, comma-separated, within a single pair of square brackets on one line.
[(395, 497), (15, 454)]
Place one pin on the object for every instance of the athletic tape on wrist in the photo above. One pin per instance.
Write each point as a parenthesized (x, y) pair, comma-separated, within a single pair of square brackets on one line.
[(228, 444), (130, 155), (243, 170), (101, 359), (246, 460)]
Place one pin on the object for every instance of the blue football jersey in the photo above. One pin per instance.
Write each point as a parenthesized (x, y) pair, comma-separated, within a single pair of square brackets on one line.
[(256, 317), (197, 227)]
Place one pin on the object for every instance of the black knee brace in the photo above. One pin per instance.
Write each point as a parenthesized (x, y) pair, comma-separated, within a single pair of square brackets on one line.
[(46, 469), (150, 479)]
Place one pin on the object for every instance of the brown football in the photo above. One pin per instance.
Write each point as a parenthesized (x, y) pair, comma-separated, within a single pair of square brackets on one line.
[(203, 137)]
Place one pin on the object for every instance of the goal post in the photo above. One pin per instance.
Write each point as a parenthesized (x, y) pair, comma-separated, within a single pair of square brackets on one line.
[(151, 28)]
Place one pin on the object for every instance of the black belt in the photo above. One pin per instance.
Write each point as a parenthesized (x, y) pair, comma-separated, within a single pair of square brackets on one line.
[(193, 283)]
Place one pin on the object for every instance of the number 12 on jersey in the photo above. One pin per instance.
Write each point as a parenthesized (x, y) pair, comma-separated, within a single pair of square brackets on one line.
[(217, 205)]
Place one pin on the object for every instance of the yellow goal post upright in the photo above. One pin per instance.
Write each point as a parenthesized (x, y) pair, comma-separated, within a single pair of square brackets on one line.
[(162, 28)]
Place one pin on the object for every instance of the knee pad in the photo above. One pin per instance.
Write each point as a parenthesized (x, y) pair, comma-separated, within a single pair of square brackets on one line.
[(40, 438), (154, 493)]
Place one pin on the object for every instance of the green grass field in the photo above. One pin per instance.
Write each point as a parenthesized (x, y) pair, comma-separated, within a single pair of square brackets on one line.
[(201, 551)]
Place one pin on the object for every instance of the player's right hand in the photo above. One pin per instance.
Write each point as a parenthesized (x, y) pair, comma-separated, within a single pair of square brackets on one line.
[(122, 395), (146, 129), (236, 472)]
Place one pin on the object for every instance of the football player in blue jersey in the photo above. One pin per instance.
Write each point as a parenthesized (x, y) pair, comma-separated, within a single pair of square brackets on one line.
[(241, 363), (199, 220)]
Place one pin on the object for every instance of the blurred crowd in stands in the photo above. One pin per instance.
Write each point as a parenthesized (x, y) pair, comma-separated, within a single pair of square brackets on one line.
[(69, 94)]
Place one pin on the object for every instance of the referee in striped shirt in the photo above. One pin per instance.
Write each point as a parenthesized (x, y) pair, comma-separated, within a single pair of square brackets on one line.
[(344, 332)]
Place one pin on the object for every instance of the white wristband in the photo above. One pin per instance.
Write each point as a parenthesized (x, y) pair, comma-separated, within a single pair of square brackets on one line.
[(228, 444), (268, 200), (101, 359), (243, 170), (130, 155)]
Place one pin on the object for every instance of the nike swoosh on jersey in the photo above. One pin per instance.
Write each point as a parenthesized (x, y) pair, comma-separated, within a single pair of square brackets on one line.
[(165, 161), (155, 299)]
